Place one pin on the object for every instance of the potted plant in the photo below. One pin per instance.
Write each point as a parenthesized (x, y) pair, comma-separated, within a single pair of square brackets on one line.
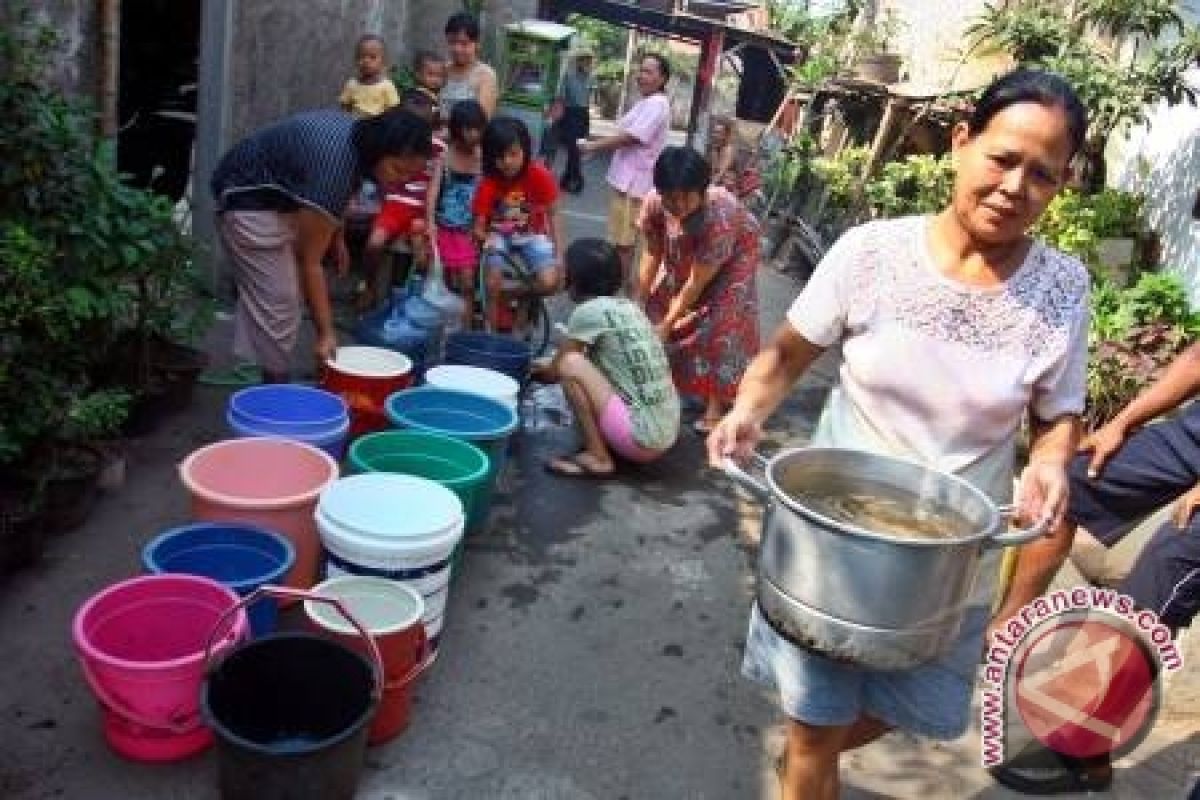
[(874, 58), (1135, 333), (153, 354), (1118, 219)]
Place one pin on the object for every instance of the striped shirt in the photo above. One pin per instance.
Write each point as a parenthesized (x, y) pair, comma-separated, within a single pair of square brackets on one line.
[(307, 159)]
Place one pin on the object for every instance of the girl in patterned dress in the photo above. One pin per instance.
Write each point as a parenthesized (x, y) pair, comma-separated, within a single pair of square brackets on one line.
[(698, 279)]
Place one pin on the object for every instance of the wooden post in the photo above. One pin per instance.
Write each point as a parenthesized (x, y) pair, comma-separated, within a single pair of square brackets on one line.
[(109, 72), (894, 113), (702, 94)]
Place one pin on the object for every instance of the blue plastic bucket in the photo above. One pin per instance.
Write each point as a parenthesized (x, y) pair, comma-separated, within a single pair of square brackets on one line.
[(482, 421), (301, 413), (490, 351), (239, 556)]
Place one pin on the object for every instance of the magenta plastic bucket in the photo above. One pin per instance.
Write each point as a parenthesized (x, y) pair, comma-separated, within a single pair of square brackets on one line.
[(141, 645)]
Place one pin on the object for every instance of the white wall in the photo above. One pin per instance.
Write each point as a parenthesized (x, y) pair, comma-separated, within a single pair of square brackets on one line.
[(1162, 160)]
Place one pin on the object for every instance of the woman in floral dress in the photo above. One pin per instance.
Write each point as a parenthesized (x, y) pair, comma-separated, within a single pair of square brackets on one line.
[(697, 279)]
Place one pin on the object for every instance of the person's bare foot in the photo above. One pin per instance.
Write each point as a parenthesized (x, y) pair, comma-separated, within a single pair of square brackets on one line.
[(580, 465)]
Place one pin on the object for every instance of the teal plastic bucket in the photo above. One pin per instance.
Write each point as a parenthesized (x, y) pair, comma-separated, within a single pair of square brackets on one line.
[(482, 421), (459, 466)]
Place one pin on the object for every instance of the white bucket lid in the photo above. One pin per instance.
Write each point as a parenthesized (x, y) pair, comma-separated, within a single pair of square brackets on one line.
[(382, 515), (476, 380), (382, 606), (371, 362)]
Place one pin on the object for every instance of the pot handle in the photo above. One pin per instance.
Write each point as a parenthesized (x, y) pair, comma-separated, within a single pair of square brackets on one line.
[(743, 478), (1019, 535)]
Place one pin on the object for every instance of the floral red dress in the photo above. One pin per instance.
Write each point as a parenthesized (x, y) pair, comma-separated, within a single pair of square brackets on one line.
[(712, 351)]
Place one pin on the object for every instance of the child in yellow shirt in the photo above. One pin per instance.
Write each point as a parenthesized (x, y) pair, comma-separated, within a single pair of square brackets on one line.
[(370, 91)]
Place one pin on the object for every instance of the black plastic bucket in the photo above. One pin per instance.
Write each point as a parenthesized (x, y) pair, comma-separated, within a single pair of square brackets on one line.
[(290, 714)]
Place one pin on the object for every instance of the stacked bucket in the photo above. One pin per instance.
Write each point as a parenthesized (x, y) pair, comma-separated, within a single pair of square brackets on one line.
[(193, 647)]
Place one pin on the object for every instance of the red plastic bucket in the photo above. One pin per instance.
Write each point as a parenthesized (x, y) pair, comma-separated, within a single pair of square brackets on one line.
[(391, 612), (141, 646), (364, 377)]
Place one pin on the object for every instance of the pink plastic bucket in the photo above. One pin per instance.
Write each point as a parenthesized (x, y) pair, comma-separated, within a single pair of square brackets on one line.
[(270, 482), (141, 645)]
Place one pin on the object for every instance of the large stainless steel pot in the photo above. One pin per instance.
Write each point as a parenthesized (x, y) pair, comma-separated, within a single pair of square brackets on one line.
[(857, 595)]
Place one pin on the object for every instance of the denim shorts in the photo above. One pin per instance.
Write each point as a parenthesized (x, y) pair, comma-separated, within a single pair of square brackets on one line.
[(931, 700), (535, 251)]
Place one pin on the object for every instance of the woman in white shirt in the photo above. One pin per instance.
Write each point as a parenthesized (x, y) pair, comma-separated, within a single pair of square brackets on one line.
[(952, 327)]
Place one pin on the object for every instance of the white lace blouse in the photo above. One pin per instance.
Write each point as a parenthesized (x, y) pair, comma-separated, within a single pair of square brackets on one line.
[(936, 370)]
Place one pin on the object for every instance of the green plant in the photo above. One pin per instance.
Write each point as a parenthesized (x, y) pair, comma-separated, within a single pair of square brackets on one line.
[(1116, 91), (44, 356), (1119, 370), (841, 175), (1030, 32), (920, 184), (1134, 334), (85, 258), (1075, 223)]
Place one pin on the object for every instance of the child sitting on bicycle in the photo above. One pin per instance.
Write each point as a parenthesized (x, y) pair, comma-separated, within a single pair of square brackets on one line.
[(458, 182), (516, 213), (405, 213), (613, 370)]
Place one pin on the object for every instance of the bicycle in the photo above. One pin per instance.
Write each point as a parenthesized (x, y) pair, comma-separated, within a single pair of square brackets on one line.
[(531, 317)]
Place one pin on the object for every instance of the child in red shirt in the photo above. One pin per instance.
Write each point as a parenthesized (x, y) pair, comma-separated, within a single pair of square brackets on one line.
[(516, 211), (406, 210)]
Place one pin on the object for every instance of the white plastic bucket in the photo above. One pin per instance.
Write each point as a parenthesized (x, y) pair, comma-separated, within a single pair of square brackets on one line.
[(476, 380), (398, 527)]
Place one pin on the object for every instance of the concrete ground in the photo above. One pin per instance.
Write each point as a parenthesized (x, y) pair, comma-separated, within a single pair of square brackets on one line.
[(591, 650)]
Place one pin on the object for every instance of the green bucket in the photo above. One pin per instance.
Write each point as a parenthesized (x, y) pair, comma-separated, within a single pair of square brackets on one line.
[(459, 466)]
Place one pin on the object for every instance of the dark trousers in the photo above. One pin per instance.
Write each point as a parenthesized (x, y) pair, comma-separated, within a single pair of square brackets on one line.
[(1154, 467), (573, 126)]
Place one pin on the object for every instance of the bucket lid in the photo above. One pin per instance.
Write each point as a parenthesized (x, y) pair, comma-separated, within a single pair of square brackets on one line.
[(478, 380), (384, 506), (382, 606), (371, 362)]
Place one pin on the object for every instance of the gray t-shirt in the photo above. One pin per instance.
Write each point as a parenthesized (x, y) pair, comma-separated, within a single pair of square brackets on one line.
[(622, 344)]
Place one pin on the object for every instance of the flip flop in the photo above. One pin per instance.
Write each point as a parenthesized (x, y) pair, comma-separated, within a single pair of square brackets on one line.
[(570, 467), (239, 375), (1042, 772)]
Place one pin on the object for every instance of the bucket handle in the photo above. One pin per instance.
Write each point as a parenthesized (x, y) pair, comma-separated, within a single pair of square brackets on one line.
[(288, 593), (426, 655), (745, 480), (1017, 535), (191, 723)]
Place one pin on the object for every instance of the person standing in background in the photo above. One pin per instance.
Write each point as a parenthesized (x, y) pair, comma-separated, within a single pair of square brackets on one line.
[(641, 136), (467, 78), (574, 95)]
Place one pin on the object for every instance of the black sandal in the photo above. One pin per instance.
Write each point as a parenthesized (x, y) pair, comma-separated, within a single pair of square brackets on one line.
[(1040, 771)]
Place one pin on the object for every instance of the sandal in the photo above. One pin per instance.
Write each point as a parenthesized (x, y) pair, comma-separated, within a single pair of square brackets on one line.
[(238, 375), (1041, 771), (572, 467)]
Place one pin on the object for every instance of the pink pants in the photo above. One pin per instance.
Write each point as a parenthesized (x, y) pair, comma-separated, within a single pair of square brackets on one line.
[(616, 426)]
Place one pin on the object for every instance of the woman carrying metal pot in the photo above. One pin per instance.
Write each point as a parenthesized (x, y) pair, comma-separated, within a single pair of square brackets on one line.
[(952, 328)]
